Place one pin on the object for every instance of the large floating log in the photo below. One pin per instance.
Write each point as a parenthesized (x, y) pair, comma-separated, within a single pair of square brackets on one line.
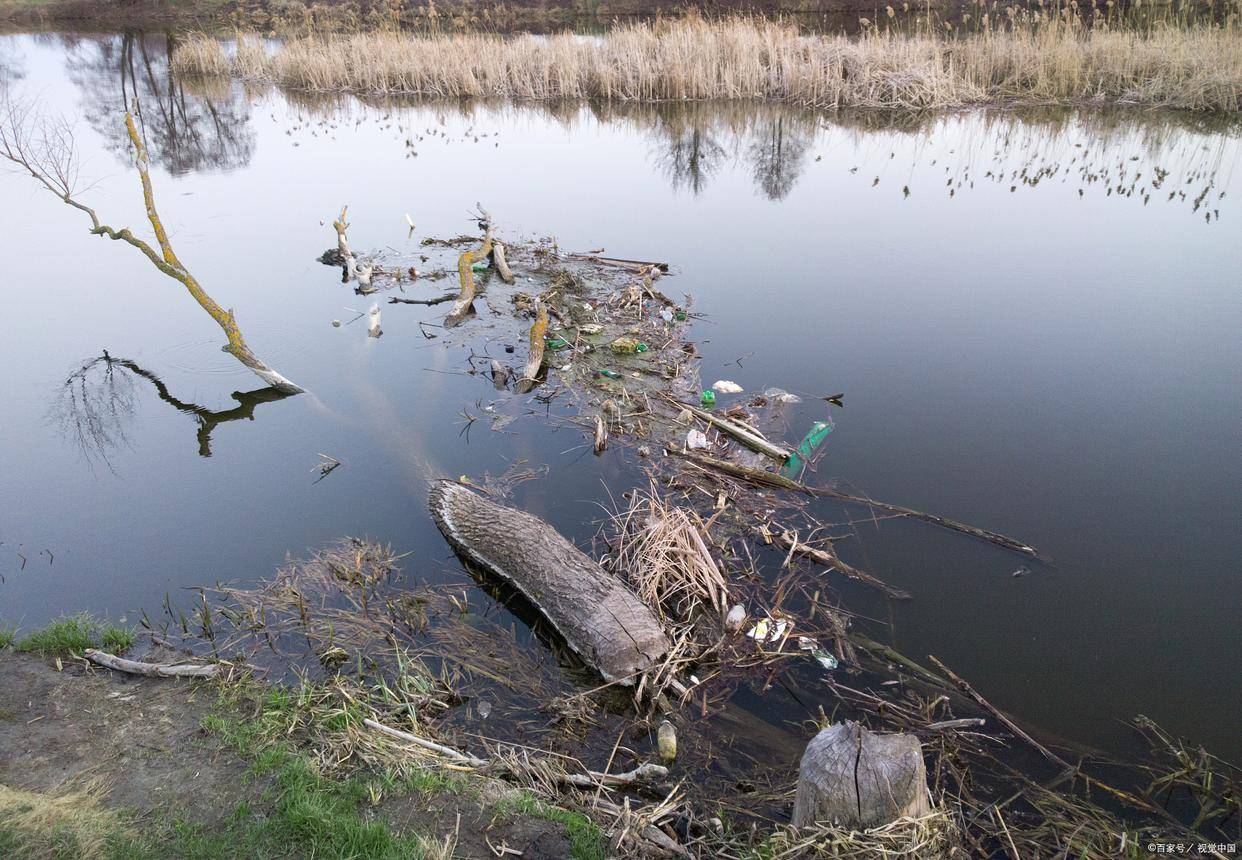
[(854, 778), (600, 618)]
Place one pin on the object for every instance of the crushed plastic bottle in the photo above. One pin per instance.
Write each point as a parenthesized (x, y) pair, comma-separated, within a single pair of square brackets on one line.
[(708, 398)]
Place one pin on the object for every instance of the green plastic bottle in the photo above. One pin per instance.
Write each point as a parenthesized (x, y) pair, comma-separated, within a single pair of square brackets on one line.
[(708, 399)]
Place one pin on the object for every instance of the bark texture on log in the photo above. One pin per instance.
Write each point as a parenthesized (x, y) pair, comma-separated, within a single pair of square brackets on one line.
[(854, 778), (601, 619)]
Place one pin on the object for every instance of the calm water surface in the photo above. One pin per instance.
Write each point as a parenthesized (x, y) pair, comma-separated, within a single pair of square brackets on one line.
[(1031, 335)]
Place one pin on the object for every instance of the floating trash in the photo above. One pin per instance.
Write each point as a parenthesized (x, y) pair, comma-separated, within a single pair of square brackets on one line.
[(708, 399), (726, 386), (813, 439), (696, 440), (780, 395), (768, 630), (819, 655)]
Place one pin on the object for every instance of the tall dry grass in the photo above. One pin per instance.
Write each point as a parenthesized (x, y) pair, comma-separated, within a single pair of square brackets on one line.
[(1033, 56)]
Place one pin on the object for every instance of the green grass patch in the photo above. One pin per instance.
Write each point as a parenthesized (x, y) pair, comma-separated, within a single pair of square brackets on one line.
[(73, 635), (587, 841), (8, 636), (307, 813)]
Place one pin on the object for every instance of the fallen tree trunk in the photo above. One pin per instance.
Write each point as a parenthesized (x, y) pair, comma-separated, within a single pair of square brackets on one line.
[(153, 670), (854, 778), (600, 618)]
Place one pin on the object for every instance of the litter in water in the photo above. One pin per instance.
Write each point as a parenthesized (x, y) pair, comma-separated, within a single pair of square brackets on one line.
[(768, 630), (726, 386), (780, 395), (813, 439)]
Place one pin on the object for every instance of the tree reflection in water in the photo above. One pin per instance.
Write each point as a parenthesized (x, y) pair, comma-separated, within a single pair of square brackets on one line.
[(98, 400), (185, 129)]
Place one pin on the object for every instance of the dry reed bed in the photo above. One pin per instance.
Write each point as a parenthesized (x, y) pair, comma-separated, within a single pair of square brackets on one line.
[(1045, 58)]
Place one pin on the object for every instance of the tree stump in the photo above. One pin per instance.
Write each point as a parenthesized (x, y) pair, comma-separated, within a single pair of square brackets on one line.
[(854, 778), (600, 618)]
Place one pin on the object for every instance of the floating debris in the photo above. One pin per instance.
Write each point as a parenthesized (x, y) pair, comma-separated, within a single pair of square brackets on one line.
[(768, 630), (780, 395), (697, 440), (726, 386)]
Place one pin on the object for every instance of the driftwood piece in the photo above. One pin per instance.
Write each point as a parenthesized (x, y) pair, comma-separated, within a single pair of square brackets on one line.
[(854, 778), (464, 306), (500, 375), (828, 557), (600, 618), (745, 435), (502, 265), (534, 361), (341, 226), (944, 522), (772, 479), (601, 435), (632, 265), (447, 297), (153, 670), (645, 773)]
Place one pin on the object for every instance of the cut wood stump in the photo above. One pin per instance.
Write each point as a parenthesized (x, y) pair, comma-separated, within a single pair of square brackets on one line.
[(854, 778), (596, 613)]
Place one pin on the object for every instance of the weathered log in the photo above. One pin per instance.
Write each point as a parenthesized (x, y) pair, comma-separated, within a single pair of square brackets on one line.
[(464, 306), (340, 225), (502, 265), (500, 375), (632, 265), (154, 670), (534, 361), (600, 618), (854, 778)]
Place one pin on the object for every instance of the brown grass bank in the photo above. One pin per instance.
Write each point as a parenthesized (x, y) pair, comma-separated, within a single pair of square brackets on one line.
[(1043, 56)]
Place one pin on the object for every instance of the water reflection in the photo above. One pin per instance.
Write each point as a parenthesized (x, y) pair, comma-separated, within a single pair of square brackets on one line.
[(1141, 156), (185, 129), (95, 404)]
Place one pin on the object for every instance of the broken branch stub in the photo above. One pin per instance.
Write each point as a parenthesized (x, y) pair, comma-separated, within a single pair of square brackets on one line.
[(854, 778), (600, 618), (342, 242), (464, 306), (502, 265), (534, 362)]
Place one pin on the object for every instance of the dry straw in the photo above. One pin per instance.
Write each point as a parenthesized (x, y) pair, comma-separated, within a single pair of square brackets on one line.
[(1039, 55)]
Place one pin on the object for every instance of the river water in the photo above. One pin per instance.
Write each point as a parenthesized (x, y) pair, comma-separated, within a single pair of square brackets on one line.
[(1034, 318)]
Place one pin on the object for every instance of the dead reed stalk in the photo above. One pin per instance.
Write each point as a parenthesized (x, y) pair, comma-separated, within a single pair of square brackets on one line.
[(1043, 55), (660, 549)]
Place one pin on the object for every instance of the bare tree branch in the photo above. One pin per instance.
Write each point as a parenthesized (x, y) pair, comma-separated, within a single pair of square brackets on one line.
[(45, 148)]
